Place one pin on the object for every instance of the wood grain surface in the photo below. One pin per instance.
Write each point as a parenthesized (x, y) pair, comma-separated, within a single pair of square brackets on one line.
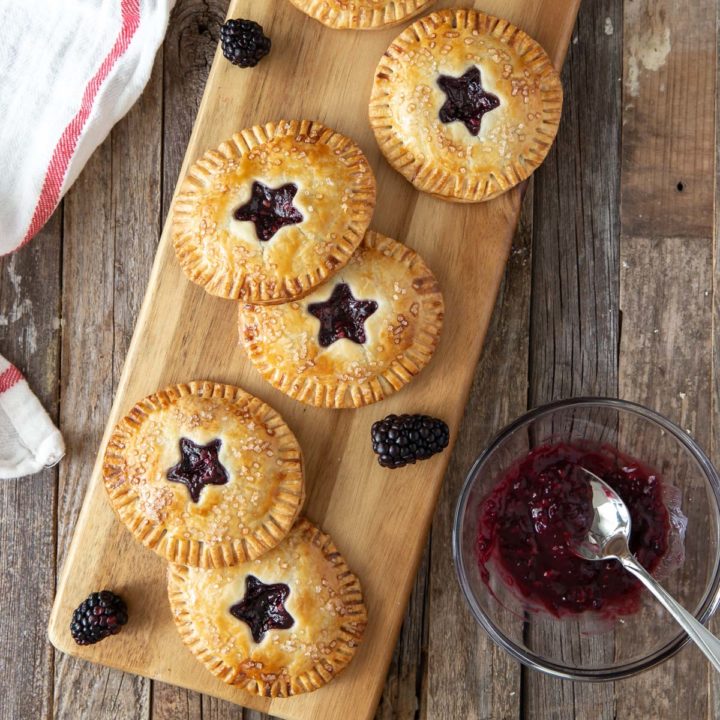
[(574, 319), (29, 317), (666, 263), (183, 333), (52, 313)]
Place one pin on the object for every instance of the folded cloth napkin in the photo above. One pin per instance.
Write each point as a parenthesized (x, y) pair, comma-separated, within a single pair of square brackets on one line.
[(68, 72), (28, 439)]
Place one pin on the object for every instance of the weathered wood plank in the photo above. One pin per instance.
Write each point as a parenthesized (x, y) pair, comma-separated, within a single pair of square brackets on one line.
[(666, 286), (112, 224), (574, 307), (215, 709), (467, 675), (29, 338), (402, 694), (173, 703), (88, 250), (248, 714), (575, 281), (714, 680), (188, 50), (669, 118), (665, 363), (87, 389)]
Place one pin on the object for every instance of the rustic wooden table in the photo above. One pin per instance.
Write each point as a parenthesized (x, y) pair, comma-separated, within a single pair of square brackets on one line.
[(612, 288)]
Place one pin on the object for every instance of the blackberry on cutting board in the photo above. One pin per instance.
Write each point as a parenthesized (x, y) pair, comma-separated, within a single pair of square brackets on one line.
[(243, 42), (402, 439), (101, 614)]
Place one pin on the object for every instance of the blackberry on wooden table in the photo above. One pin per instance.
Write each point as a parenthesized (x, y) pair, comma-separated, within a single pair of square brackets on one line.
[(403, 439)]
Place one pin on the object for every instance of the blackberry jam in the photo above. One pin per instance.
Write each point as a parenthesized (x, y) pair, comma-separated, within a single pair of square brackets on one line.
[(540, 509)]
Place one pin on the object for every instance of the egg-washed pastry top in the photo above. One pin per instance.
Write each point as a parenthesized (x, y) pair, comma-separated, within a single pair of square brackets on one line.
[(204, 474), (357, 338), (361, 14), (273, 212), (284, 624), (465, 105)]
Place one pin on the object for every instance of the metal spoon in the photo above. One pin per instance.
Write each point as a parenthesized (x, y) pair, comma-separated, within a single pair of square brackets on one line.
[(608, 538)]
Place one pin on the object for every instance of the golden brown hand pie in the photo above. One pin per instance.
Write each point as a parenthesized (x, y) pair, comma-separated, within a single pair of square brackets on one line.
[(204, 474), (465, 105), (273, 212), (361, 14), (357, 338), (283, 624)]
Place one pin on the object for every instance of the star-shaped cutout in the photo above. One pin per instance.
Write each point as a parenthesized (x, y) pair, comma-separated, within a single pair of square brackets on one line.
[(342, 316), (263, 608), (466, 100), (199, 466), (270, 209)]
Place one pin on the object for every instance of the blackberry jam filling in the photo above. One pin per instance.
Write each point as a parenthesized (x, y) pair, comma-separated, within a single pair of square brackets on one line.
[(199, 466), (270, 209), (263, 607), (467, 101), (541, 509), (342, 316)]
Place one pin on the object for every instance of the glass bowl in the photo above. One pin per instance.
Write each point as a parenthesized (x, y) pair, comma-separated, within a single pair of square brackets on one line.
[(583, 647)]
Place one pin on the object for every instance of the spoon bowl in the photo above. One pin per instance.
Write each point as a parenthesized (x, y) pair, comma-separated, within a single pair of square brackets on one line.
[(609, 534)]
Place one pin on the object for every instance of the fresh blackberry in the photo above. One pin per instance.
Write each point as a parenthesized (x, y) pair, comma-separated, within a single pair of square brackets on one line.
[(402, 439), (101, 614), (243, 42)]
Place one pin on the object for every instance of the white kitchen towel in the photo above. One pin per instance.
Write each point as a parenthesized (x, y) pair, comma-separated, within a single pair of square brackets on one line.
[(69, 70), (28, 439)]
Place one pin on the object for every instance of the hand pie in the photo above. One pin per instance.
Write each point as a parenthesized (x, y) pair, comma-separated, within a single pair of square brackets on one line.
[(361, 14), (357, 338), (465, 105), (273, 212), (204, 474), (284, 624)]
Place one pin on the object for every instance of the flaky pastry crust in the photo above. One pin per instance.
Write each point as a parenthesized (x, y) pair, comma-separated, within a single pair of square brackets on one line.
[(324, 601), (230, 523), (335, 196), (282, 341), (361, 14), (444, 158)]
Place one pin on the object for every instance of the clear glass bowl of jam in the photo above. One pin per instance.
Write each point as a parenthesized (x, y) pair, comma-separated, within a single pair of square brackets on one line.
[(523, 504)]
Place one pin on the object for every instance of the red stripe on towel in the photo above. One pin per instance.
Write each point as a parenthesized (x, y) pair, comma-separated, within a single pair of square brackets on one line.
[(64, 150), (9, 377)]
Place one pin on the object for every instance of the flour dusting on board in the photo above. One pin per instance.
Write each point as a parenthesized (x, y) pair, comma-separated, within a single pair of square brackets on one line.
[(649, 48)]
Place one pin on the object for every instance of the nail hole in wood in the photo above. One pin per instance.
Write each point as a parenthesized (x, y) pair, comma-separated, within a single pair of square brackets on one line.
[(680, 187)]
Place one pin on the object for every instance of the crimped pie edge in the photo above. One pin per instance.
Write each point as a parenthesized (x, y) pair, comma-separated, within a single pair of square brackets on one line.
[(195, 552), (349, 637), (242, 286), (437, 181)]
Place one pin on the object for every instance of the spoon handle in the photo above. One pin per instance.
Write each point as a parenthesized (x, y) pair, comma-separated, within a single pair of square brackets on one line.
[(699, 634)]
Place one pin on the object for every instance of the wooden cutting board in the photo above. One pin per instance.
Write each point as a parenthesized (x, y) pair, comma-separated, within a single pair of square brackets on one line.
[(378, 518)]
